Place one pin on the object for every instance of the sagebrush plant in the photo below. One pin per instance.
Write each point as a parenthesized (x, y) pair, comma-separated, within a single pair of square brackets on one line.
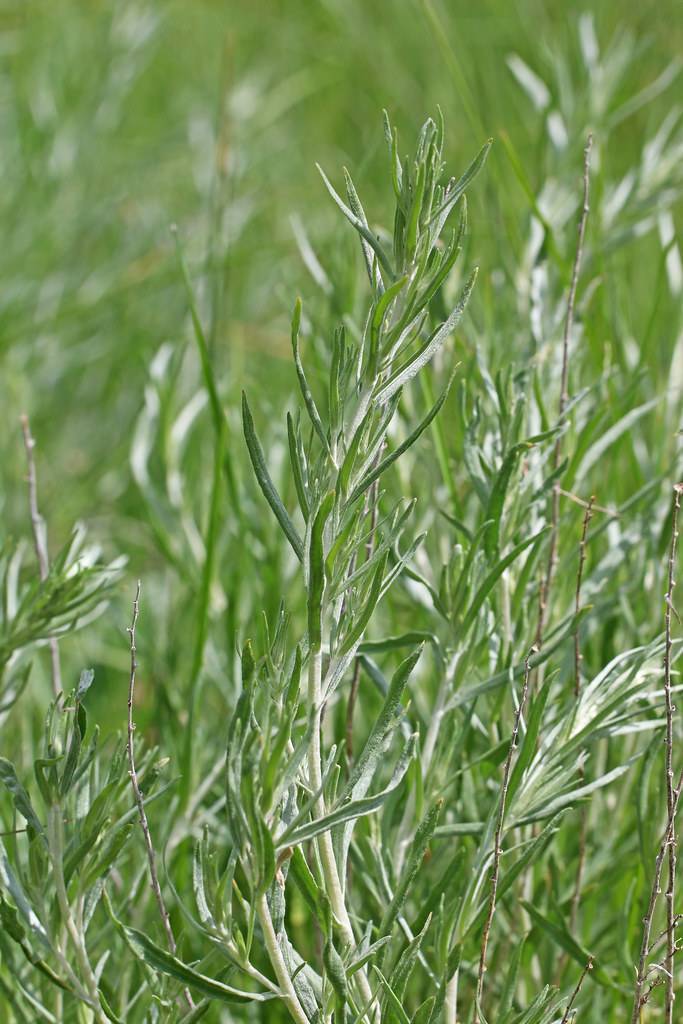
[(409, 821)]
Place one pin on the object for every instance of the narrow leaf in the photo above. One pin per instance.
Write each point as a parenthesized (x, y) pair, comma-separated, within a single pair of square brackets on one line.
[(387, 461), (361, 228), (412, 367), (266, 484), (309, 401), (22, 801)]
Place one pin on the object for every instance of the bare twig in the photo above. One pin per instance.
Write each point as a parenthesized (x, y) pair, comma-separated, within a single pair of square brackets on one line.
[(577, 691), (667, 845), (639, 997), (657, 983), (669, 743), (498, 837), (572, 1000), (587, 516), (663, 933), (569, 321), (546, 583), (40, 542), (37, 521), (149, 846)]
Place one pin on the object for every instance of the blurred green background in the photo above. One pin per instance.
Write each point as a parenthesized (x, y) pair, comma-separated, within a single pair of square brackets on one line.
[(119, 119)]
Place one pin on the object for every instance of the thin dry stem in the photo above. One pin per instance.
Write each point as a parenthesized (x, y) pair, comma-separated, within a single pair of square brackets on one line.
[(667, 846), (144, 823), (572, 1000), (587, 516), (40, 542), (670, 894), (498, 837), (663, 934), (639, 997), (546, 583), (588, 513)]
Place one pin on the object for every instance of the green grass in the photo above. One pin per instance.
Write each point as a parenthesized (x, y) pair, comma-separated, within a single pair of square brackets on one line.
[(130, 352)]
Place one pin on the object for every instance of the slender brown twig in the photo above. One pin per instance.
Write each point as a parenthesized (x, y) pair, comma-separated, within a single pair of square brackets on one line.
[(587, 516), (655, 890), (572, 1000), (577, 691), (668, 841), (670, 796), (144, 823), (498, 837), (546, 583), (40, 541), (663, 934)]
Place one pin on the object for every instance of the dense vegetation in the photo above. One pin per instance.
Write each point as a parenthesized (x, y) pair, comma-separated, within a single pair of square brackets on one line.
[(387, 729)]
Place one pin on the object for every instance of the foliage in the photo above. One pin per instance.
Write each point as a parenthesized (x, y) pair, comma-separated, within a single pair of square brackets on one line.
[(339, 603)]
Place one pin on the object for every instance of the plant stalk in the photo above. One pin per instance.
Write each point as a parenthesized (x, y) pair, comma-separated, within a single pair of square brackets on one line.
[(278, 962), (670, 894), (498, 837), (55, 844), (40, 543), (667, 844), (546, 583), (139, 801), (327, 858), (576, 898)]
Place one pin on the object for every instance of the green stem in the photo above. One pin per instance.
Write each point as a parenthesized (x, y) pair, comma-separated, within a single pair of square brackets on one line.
[(278, 963), (325, 848), (56, 852), (329, 864), (451, 1002)]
